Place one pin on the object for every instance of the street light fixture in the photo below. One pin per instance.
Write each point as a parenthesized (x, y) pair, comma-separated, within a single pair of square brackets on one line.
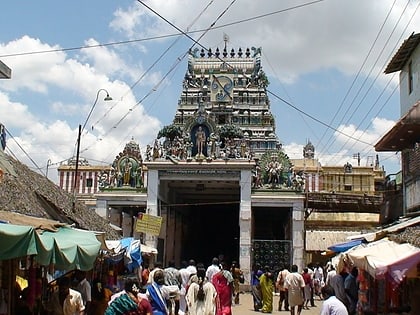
[(81, 128), (48, 165)]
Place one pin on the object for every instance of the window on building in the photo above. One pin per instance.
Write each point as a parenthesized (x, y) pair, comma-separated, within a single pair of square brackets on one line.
[(348, 187), (410, 77), (89, 182)]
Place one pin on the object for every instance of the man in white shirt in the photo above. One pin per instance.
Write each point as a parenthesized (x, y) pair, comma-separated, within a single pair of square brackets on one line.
[(83, 286), (318, 279), (212, 269), (191, 267), (331, 305), (295, 285), (66, 301), (185, 276), (281, 278)]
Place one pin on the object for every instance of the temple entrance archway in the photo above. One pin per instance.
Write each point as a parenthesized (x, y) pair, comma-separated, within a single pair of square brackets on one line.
[(201, 219)]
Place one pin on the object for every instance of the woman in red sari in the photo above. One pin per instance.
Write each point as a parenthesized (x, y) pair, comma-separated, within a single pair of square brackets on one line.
[(223, 283)]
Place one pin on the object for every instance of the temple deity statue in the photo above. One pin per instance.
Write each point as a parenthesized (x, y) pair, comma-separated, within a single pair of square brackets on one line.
[(274, 169), (156, 150), (200, 140), (127, 171), (189, 146)]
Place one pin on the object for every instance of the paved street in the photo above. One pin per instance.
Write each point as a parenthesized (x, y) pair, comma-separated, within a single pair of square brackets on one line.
[(246, 307)]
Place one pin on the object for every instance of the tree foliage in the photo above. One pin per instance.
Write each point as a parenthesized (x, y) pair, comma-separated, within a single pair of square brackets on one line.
[(170, 131), (230, 132)]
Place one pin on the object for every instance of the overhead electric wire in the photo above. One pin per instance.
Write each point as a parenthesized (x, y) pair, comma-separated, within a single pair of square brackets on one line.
[(178, 60), (326, 145), (23, 150), (380, 71), (140, 79), (288, 96), (162, 36), (314, 118)]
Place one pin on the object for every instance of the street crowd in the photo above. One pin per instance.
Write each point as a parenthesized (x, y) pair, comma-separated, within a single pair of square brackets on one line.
[(297, 290), (195, 289)]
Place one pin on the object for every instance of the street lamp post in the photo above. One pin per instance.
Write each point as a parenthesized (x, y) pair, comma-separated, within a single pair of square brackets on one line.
[(48, 165), (81, 128)]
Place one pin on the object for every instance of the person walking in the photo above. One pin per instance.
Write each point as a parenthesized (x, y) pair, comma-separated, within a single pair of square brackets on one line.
[(173, 277), (185, 276), (129, 301), (307, 290), (267, 289), (256, 273), (281, 277), (83, 286), (351, 289), (331, 305), (295, 285), (311, 269), (201, 294), (212, 269), (337, 283), (318, 279), (223, 283), (66, 301), (238, 276), (158, 293)]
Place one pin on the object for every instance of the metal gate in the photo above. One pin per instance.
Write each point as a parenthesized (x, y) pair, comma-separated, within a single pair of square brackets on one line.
[(272, 253)]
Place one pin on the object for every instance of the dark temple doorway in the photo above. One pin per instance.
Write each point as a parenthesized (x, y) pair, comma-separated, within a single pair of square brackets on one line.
[(202, 218), (210, 231)]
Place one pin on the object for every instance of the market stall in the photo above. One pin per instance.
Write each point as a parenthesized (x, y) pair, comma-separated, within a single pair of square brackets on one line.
[(29, 253), (384, 269)]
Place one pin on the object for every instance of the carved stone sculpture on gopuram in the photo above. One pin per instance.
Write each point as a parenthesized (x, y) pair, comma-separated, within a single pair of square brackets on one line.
[(126, 170)]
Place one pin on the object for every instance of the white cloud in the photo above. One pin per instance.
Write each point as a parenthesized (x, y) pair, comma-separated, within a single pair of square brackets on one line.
[(14, 114), (125, 21), (30, 71)]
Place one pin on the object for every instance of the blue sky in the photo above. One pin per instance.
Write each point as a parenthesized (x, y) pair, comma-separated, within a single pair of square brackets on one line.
[(324, 60)]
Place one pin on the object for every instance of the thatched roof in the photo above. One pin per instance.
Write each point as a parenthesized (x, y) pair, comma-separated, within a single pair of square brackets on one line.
[(410, 235), (27, 192)]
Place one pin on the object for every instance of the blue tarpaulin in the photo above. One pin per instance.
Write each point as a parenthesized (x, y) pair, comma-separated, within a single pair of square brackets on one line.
[(342, 247), (128, 249)]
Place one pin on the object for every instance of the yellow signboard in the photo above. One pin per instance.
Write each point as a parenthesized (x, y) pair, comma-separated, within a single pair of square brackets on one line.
[(147, 223)]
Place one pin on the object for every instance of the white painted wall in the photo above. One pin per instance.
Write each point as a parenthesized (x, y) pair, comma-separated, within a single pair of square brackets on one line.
[(408, 100)]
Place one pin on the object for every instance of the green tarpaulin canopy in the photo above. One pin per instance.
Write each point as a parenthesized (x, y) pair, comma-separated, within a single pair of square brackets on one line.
[(17, 241), (67, 248)]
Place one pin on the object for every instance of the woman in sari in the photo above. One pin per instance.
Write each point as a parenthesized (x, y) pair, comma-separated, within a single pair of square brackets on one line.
[(267, 289), (255, 286), (223, 283), (129, 302)]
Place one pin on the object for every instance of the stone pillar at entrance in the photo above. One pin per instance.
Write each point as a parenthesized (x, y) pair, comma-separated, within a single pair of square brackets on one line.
[(298, 234), (102, 208), (152, 202), (245, 224)]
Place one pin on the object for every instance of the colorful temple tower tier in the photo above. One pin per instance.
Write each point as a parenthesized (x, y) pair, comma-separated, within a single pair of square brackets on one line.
[(223, 111)]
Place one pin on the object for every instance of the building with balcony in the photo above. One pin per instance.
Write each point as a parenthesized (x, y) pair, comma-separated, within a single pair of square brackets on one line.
[(404, 136)]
